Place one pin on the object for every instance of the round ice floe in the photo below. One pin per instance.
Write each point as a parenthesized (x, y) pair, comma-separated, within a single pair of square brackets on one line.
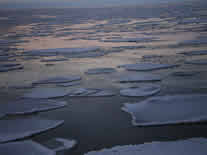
[(141, 91), (15, 129), (146, 66), (180, 147), (197, 62), (141, 77), (24, 148), (163, 110), (27, 106), (44, 93), (100, 70), (54, 80)]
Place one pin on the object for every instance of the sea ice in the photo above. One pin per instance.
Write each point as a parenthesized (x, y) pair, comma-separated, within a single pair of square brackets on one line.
[(141, 77), (27, 106), (60, 144), (45, 93), (141, 91), (180, 147), (197, 62), (55, 80), (146, 66), (25, 148), (162, 110), (100, 70), (15, 129)]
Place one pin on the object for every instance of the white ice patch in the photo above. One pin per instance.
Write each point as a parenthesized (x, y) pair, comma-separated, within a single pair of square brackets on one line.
[(55, 80), (164, 110), (197, 62), (141, 91), (146, 66), (15, 129), (100, 70), (90, 92), (141, 77), (69, 84), (27, 106), (60, 144), (193, 146), (45, 93), (192, 53), (59, 51), (25, 148)]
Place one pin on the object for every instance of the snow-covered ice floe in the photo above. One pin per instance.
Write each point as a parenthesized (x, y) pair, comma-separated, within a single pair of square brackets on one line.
[(60, 51), (27, 106), (45, 93), (147, 66), (15, 129), (197, 62), (193, 146), (60, 144), (55, 80), (163, 110), (25, 148), (141, 91), (90, 92), (100, 70), (10, 67), (141, 77), (192, 53)]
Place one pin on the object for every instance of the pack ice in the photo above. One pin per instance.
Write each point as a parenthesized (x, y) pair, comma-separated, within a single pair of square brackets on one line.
[(15, 129), (141, 77), (164, 110), (193, 146), (100, 70), (27, 106), (54, 80), (25, 148), (146, 66), (141, 91)]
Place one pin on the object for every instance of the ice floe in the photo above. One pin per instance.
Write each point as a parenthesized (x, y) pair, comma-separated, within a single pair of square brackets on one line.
[(141, 77), (191, 53), (15, 129), (10, 67), (27, 106), (90, 92), (146, 66), (180, 147), (141, 91), (55, 80), (46, 93), (163, 110), (60, 144), (100, 70), (197, 62), (25, 148)]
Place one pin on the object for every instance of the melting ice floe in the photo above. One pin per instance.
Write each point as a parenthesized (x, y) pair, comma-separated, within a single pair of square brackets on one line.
[(197, 62), (164, 110), (100, 70), (27, 106), (44, 93), (146, 66), (90, 92), (59, 144), (141, 91), (180, 147), (142, 77), (21, 128), (54, 80), (10, 67), (203, 52), (25, 148)]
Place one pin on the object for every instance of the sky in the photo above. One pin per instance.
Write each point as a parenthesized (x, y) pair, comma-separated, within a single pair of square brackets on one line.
[(74, 3)]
